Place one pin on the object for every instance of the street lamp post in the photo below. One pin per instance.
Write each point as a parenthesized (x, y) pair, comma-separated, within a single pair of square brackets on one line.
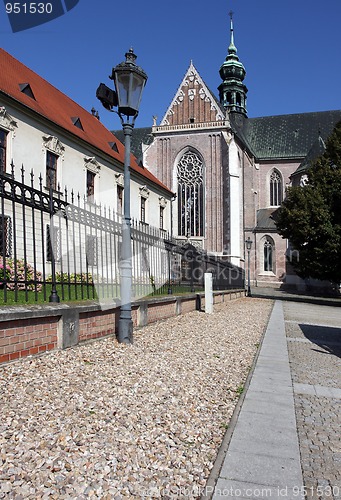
[(248, 244), (129, 81)]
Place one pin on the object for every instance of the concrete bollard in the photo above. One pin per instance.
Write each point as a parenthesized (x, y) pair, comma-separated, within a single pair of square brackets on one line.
[(208, 293)]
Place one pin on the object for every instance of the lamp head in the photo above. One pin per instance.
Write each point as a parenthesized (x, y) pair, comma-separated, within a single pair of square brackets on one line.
[(107, 96), (248, 243), (129, 81)]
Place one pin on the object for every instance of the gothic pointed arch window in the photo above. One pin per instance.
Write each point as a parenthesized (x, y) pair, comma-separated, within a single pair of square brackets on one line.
[(268, 254), (190, 180), (276, 188)]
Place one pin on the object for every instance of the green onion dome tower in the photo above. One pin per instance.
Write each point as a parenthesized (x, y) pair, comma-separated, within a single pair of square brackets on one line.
[(232, 92)]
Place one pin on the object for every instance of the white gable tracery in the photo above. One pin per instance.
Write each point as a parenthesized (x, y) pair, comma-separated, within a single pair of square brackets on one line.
[(193, 76)]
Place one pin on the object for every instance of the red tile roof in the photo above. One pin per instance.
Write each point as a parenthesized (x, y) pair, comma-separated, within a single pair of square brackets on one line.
[(60, 109)]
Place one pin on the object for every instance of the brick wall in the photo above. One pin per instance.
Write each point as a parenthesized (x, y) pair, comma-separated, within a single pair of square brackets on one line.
[(35, 330), (20, 338), (157, 312), (188, 305), (96, 324)]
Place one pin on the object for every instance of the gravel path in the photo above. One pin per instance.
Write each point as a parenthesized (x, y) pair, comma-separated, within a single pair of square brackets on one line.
[(104, 420)]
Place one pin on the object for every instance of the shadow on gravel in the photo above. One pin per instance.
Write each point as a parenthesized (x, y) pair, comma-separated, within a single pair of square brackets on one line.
[(326, 337)]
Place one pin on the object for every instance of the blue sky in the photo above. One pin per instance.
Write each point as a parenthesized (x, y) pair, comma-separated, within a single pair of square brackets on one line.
[(290, 49)]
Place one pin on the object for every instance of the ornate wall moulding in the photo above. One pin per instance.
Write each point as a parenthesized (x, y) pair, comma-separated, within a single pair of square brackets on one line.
[(120, 179), (92, 164), (144, 191), (162, 201), (6, 121), (53, 144)]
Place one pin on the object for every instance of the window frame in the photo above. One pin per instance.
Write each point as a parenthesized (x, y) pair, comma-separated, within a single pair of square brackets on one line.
[(162, 218), (51, 167), (268, 255), (3, 150), (91, 250), (190, 176), (120, 198), (143, 208), (90, 185), (276, 188), (56, 245)]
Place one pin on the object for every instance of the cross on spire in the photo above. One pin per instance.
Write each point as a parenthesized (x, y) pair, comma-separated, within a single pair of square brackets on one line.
[(231, 28)]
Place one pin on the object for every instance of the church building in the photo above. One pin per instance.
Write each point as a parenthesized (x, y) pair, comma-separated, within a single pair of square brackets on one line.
[(229, 172)]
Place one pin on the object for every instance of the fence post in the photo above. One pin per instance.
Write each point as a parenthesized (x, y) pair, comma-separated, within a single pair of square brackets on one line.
[(54, 297)]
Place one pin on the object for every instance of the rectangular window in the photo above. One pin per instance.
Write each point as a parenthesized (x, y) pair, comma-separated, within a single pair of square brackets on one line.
[(90, 185), (91, 250), (51, 170), (162, 214), (145, 265), (120, 192), (53, 243), (5, 236), (164, 262), (143, 210), (3, 146)]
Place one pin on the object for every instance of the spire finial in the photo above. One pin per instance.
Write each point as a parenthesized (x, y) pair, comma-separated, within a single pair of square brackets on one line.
[(232, 46), (231, 25)]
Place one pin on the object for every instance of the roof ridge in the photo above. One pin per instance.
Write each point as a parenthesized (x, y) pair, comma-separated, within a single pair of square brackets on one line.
[(58, 108), (295, 114)]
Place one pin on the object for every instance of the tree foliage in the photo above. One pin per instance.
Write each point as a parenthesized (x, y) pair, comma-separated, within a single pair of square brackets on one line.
[(310, 216)]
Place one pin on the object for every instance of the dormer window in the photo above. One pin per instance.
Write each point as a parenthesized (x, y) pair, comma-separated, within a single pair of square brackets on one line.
[(77, 122), (25, 88), (113, 146)]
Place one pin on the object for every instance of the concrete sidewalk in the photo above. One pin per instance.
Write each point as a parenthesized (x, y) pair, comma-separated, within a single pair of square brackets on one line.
[(262, 458)]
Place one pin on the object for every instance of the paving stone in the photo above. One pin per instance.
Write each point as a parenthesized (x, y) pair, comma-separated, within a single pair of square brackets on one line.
[(316, 372)]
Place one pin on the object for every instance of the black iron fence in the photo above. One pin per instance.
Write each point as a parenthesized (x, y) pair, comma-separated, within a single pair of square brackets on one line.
[(56, 245)]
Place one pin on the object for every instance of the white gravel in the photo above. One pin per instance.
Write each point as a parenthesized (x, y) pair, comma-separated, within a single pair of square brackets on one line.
[(104, 420)]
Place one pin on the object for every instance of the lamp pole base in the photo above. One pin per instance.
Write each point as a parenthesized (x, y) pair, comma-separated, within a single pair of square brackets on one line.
[(54, 297), (125, 331)]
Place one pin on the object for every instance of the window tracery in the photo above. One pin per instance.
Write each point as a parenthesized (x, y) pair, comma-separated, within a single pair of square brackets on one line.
[(268, 255), (276, 189), (190, 177)]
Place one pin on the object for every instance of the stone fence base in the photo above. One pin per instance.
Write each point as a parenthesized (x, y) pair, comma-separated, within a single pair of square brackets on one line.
[(32, 330)]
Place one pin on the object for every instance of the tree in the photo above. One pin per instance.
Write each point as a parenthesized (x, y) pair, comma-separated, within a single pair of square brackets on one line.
[(310, 217)]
